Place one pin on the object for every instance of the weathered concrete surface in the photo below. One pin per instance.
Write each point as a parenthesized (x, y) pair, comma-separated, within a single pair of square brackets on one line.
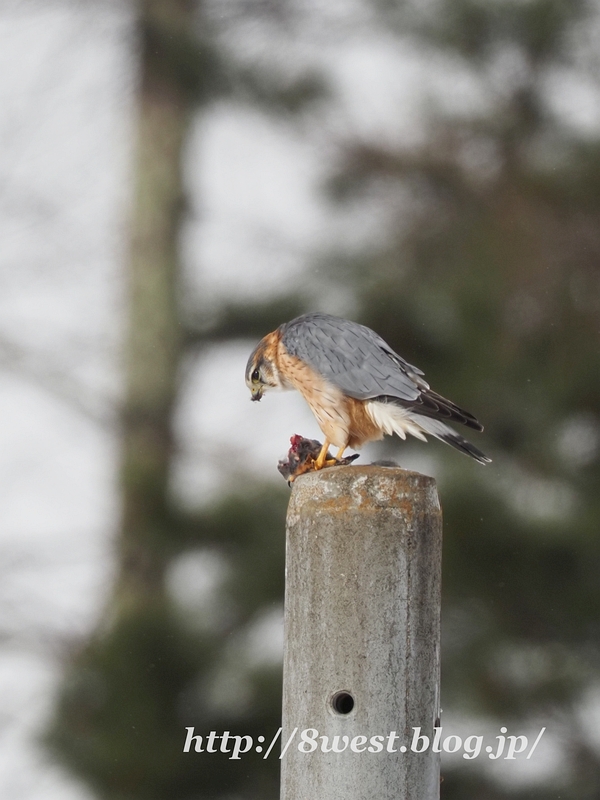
[(362, 615)]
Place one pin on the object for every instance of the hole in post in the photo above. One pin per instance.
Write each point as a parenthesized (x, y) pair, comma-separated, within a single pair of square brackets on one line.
[(342, 702)]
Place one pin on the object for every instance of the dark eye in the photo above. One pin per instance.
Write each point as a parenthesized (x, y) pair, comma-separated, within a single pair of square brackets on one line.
[(255, 375)]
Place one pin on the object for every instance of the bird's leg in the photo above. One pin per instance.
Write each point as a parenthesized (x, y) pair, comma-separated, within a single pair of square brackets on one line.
[(321, 459)]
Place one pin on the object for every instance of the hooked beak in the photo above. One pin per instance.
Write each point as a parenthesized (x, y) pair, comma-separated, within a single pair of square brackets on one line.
[(257, 393)]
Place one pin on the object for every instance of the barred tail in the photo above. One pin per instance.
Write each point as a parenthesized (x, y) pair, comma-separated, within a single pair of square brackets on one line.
[(445, 433), (392, 418)]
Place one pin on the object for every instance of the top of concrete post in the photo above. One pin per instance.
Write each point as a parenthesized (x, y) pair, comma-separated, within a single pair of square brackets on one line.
[(343, 489)]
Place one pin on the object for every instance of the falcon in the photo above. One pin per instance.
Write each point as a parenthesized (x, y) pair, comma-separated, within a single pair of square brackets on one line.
[(357, 387)]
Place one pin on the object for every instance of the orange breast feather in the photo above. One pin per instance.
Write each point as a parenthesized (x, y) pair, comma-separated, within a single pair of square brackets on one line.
[(342, 419)]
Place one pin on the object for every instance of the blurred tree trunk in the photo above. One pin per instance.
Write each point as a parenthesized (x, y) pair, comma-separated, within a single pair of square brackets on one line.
[(144, 675), (153, 345)]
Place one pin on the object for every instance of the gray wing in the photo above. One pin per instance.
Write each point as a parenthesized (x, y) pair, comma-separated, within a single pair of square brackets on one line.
[(352, 357)]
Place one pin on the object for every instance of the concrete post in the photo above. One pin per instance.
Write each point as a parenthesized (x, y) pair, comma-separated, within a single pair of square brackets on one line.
[(362, 633)]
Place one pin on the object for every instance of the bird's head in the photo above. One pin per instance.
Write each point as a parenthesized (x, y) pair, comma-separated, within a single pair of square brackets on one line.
[(262, 372)]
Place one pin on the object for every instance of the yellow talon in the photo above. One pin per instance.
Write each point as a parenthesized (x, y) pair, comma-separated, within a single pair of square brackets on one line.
[(321, 459)]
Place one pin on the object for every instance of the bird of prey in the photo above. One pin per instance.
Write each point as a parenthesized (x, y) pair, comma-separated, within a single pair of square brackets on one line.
[(357, 387)]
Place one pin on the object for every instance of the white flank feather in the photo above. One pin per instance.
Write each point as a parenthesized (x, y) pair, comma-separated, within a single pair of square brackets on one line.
[(395, 419)]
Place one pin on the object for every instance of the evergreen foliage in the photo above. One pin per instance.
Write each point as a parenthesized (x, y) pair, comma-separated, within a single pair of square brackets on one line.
[(493, 284)]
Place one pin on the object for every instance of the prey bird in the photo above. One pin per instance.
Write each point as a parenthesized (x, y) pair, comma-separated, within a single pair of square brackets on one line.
[(302, 456), (357, 387)]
